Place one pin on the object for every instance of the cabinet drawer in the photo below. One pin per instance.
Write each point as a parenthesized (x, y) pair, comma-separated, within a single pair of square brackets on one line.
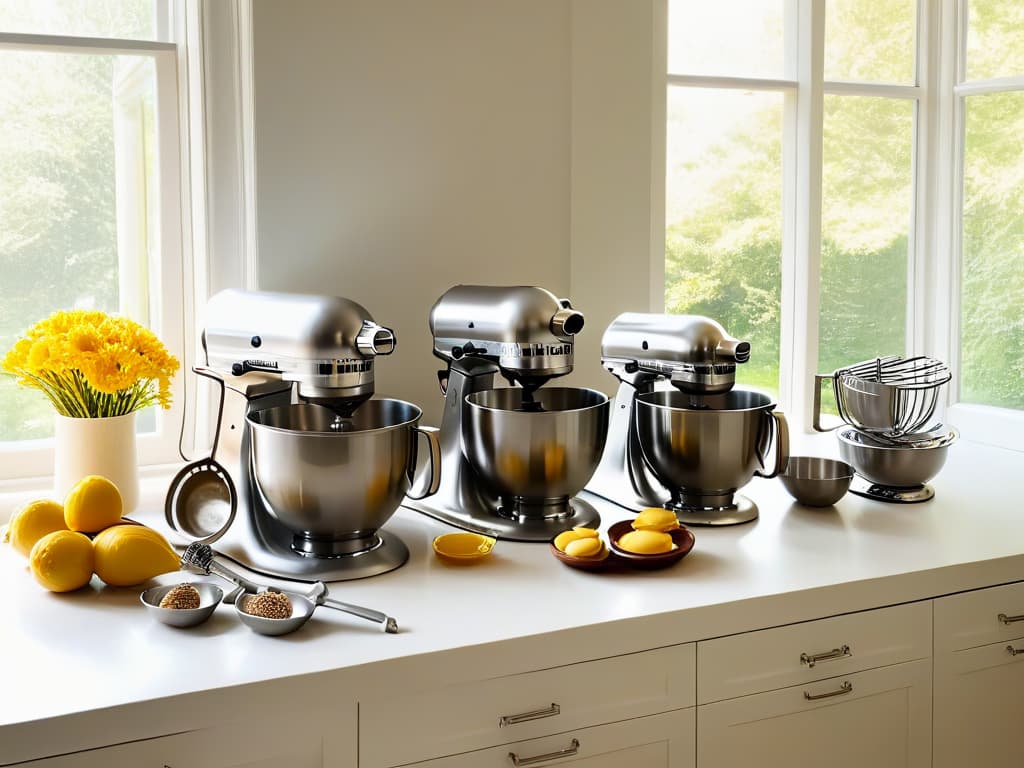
[(658, 741), (799, 653), (971, 619), (469, 716), (979, 695), (297, 744), (879, 718)]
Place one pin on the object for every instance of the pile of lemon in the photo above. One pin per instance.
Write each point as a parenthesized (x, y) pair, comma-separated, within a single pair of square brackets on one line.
[(66, 543)]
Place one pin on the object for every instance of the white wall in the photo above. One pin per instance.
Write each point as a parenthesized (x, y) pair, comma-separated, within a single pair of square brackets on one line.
[(404, 146)]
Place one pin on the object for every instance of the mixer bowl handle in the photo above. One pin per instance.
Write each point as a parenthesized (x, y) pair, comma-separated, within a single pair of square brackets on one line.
[(430, 488), (781, 446), (819, 378)]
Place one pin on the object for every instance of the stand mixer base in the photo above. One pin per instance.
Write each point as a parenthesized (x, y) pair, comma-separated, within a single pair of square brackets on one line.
[(269, 552), (742, 510), (889, 493), (490, 523)]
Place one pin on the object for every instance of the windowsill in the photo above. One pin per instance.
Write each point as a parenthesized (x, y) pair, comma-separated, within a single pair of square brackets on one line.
[(153, 481)]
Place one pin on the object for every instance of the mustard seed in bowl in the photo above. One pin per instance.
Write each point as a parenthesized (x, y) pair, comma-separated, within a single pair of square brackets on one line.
[(181, 597), (269, 605)]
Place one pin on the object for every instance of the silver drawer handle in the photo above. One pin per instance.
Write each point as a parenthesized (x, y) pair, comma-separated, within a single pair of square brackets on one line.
[(810, 659), (1014, 651), (537, 714), (1010, 619), (572, 749), (846, 687)]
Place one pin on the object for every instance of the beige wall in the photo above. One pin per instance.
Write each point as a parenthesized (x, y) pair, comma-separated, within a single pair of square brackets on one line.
[(404, 146)]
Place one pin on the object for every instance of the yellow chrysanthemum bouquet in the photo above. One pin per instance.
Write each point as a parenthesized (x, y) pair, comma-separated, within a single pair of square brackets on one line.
[(93, 365)]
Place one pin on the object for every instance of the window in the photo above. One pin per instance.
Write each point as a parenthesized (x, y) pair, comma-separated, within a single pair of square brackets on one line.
[(990, 118), (818, 202), (90, 192)]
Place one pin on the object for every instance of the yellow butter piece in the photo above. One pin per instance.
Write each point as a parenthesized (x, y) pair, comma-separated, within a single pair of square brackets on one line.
[(645, 542)]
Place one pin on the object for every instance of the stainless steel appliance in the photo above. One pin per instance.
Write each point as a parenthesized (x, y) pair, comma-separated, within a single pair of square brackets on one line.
[(888, 404), (318, 465), (513, 458), (680, 436)]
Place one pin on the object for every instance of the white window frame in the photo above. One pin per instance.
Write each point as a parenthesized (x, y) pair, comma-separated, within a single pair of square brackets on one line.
[(934, 232), (24, 463), (1003, 427)]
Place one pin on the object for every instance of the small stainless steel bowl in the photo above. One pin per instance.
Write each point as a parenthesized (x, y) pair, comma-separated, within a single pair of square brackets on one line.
[(209, 596), (897, 466), (816, 482), (302, 610)]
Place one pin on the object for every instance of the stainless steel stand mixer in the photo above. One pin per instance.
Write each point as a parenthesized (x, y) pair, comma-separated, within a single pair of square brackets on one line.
[(689, 447), (319, 466), (513, 458)]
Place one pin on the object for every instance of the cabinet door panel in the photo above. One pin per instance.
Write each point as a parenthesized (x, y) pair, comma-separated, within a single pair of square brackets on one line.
[(883, 721), (979, 695), (658, 741)]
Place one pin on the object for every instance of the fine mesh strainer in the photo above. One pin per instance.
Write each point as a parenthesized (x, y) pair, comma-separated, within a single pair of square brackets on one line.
[(891, 396)]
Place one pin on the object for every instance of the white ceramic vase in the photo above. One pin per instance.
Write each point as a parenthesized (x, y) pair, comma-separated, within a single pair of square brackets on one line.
[(96, 447)]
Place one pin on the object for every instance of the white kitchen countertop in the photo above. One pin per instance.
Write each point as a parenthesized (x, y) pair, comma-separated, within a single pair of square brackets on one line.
[(97, 648)]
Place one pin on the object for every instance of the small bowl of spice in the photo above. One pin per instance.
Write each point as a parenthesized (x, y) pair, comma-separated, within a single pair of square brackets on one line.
[(182, 605), (274, 613)]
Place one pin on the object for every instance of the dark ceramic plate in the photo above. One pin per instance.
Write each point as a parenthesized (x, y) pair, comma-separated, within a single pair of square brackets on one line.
[(682, 537)]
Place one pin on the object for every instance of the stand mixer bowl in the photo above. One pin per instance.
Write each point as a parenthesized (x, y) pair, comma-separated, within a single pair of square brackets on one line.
[(895, 465), (539, 457), (334, 482), (705, 448)]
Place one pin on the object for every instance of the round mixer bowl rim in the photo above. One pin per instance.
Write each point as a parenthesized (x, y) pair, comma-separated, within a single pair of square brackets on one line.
[(847, 436), (250, 418), (603, 402), (644, 398)]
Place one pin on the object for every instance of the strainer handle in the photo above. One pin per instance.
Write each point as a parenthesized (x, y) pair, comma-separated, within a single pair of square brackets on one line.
[(819, 379), (434, 445), (781, 446)]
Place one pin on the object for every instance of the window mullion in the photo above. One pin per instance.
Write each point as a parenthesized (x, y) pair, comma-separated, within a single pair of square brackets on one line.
[(801, 258), (942, 300)]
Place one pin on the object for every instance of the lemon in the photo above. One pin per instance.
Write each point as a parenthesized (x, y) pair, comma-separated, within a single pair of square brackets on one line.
[(656, 519), (646, 542), (587, 547), (127, 555), (92, 505), (62, 561), (585, 533), (33, 521)]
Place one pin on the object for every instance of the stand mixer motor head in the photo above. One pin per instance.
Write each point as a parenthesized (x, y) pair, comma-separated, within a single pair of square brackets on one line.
[(694, 353), (526, 331), (325, 344)]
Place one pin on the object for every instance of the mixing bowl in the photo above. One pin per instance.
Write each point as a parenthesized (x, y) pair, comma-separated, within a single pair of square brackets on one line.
[(544, 454), (331, 484), (898, 466), (713, 445), (816, 482)]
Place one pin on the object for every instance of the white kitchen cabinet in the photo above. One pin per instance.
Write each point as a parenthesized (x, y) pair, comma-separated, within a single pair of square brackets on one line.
[(468, 716), (270, 743), (879, 718), (979, 691), (658, 741)]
